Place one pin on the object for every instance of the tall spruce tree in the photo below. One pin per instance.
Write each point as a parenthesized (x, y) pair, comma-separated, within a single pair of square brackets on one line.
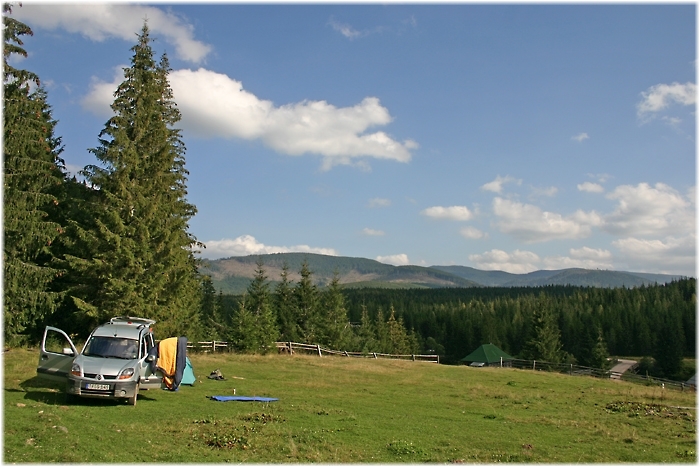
[(33, 177), (545, 343), (142, 261), (284, 303), (366, 333), (212, 323), (259, 304), (306, 301), (334, 316)]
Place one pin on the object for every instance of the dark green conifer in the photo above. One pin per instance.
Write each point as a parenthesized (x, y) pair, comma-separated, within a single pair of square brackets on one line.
[(334, 316), (284, 303), (259, 305), (33, 177), (545, 343), (306, 301), (142, 259)]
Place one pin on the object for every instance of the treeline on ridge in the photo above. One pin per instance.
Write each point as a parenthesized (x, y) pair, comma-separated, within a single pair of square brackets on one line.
[(582, 325)]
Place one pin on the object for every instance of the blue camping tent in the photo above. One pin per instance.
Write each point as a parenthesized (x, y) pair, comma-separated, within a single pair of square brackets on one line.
[(188, 375)]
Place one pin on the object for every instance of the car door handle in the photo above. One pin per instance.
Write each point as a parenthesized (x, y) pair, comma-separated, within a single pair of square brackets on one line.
[(44, 356)]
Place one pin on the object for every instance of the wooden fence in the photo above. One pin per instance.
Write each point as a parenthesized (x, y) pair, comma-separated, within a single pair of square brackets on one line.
[(211, 346), (576, 370), (565, 368), (294, 347)]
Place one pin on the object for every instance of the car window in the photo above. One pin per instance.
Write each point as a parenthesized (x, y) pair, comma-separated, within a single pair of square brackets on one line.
[(111, 347), (56, 342)]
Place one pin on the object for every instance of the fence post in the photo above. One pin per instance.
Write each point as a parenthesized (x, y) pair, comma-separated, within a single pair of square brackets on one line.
[(571, 370), (318, 347), (413, 357), (290, 348), (533, 364), (375, 354), (501, 362)]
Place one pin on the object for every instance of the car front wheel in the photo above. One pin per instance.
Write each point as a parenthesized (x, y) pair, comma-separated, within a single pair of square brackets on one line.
[(132, 399)]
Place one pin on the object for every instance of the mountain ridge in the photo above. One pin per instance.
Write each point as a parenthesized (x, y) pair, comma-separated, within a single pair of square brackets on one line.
[(232, 275)]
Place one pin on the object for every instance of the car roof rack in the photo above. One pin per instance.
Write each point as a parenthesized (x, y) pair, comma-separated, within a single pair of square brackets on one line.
[(131, 320)]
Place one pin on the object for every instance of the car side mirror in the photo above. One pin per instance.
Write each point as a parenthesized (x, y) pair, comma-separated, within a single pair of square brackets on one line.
[(151, 358), (68, 351)]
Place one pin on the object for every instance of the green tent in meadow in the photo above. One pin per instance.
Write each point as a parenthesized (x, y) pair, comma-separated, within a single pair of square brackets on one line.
[(487, 355)]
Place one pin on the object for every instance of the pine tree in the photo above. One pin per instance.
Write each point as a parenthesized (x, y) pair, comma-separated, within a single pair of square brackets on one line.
[(284, 303), (399, 342), (259, 304), (306, 306), (367, 333), (210, 312), (142, 260), (334, 316), (545, 343), (32, 182), (599, 353), (668, 351), (383, 336), (243, 333)]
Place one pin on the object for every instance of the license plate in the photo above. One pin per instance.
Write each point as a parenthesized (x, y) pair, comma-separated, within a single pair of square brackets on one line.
[(97, 387)]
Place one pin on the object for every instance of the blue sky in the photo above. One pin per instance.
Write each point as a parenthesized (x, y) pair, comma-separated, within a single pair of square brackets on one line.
[(508, 137)]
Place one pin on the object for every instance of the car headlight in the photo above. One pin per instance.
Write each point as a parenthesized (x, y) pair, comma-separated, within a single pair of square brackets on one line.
[(75, 370), (126, 373)]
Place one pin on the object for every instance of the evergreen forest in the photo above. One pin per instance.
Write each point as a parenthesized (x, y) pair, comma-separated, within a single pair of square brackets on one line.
[(116, 242)]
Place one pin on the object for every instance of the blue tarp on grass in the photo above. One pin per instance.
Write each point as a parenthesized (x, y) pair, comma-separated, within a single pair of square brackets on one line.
[(243, 398)]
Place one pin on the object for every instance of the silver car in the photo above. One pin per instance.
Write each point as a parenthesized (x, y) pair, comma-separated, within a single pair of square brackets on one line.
[(114, 362)]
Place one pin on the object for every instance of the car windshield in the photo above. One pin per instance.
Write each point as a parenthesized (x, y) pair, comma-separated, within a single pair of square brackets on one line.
[(111, 347)]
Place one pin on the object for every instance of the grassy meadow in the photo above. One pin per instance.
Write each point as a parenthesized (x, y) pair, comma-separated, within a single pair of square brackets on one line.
[(347, 410)]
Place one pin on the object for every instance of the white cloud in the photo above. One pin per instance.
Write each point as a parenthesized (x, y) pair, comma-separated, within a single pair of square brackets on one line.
[(660, 96), (548, 192), (455, 213), (522, 262), (581, 137), (473, 233), (587, 258), (345, 29), (214, 105), (372, 232), (516, 262), (351, 33), (396, 260), (248, 245), (601, 178), (379, 203), (530, 224), (101, 21), (671, 255), (497, 185), (643, 210), (101, 95), (590, 187)]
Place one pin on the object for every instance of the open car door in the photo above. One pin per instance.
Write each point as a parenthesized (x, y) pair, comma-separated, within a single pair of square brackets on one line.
[(56, 356)]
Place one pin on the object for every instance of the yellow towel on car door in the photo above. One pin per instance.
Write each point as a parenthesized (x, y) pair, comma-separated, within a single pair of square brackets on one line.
[(167, 352)]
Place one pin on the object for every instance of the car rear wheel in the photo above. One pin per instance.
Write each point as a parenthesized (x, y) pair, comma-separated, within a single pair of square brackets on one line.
[(132, 399)]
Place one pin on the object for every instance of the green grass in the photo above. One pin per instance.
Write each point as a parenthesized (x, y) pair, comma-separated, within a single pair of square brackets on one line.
[(346, 410)]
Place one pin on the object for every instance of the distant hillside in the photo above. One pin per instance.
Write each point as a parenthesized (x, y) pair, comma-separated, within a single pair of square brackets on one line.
[(573, 276), (232, 275)]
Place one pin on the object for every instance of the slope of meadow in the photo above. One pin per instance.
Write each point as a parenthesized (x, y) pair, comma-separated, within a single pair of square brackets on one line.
[(347, 410)]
